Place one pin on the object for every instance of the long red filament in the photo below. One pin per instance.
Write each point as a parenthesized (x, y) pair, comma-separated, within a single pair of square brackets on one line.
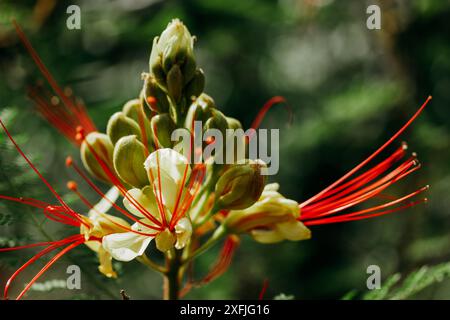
[(220, 267), (54, 245), (61, 201), (368, 159), (262, 113), (115, 181), (48, 265), (73, 111), (99, 192), (104, 215), (383, 182), (341, 195)]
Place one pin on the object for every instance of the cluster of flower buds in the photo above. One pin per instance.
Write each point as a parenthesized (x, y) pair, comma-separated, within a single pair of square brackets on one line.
[(139, 151), (174, 80)]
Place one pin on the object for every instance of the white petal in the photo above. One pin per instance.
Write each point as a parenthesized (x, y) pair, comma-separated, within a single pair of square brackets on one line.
[(266, 236), (183, 230), (105, 261), (169, 161), (126, 246), (293, 230), (145, 198), (93, 245), (141, 226), (272, 187), (170, 194)]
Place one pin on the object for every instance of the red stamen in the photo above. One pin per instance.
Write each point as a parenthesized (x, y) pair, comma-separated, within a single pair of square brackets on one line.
[(264, 289), (262, 113), (116, 182), (62, 116), (99, 192), (367, 160), (141, 121), (225, 257), (55, 245), (58, 197), (362, 194), (48, 265)]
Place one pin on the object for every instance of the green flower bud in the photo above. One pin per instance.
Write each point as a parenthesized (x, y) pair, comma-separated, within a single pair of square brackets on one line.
[(103, 148), (233, 123), (155, 97), (216, 121), (120, 126), (240, 186), (134, 109), (189, 68), (200, 110), (155, 63), (131, 109), (175, 45), (271, 219), (148, 112), (196, 86), (175, 83), (162, 128), (129, 156)]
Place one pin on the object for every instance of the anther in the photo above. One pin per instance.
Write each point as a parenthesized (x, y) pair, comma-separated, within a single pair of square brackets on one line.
[(72, 185), (151, 100), (404, 145), (69, 161), (54, 100)]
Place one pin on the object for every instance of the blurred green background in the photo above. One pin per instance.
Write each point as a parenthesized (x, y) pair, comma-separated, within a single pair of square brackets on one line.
[(350, 89)]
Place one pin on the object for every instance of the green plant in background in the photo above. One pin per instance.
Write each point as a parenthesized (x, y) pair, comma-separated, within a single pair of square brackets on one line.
[(185, 207), (396, 288)]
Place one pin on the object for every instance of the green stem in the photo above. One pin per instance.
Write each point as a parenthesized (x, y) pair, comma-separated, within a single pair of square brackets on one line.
[(151, 264), (172, 278)]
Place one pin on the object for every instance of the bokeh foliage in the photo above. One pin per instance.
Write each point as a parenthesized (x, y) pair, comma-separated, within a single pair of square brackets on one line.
[(350, 88)]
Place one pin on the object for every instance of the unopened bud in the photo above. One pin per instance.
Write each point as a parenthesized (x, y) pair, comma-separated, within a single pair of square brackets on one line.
[(162, 128), (155, 97), (200, 110), (233, 123), (175, 45), (120, 126), (97, 150), (196, 86), (129, 157), (135, 110), (175, 83), (216, 121), (240, 186), (272, 218)]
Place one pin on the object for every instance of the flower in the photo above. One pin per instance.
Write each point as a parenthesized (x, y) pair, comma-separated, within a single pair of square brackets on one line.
[(165, 200), (92, 228), (161, 191), (100, 224), (271, 219)]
